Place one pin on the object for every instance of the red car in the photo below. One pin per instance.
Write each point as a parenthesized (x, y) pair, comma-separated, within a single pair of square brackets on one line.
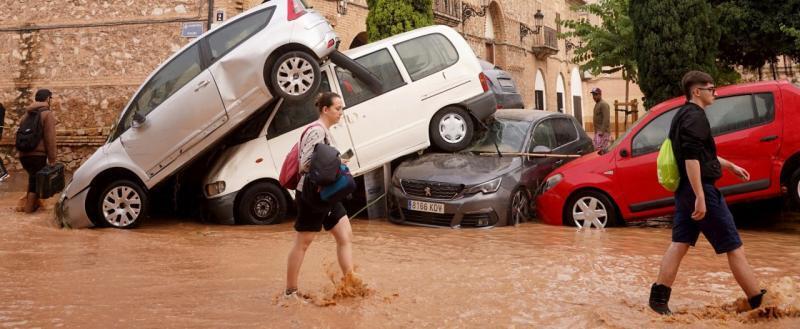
[(752, 125)]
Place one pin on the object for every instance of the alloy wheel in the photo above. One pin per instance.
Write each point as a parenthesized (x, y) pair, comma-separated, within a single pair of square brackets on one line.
[(295, 76), (589, 211), (122, 205)]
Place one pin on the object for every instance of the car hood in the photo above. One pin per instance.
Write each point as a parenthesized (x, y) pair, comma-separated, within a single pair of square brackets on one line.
[(592, 162), (461, 168)]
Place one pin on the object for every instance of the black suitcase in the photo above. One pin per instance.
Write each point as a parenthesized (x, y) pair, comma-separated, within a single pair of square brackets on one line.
[(50, 180)]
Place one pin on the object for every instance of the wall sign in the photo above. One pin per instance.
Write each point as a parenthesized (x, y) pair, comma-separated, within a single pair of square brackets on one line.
[(220, 15), (191, 29)]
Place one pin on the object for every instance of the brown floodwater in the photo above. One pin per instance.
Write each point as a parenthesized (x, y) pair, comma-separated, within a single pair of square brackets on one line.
[(180, 273)]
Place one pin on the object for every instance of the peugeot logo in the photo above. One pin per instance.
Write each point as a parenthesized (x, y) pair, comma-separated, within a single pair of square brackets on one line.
[(428, 191)]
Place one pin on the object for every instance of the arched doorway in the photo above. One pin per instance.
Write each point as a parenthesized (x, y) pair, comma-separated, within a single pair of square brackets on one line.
[(577, 94), (494, 33), (540, 101), (359, 40), (560, 101), (488, 35)]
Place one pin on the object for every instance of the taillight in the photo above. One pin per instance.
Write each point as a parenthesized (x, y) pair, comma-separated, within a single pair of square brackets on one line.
[(296, 9), (484, 82)]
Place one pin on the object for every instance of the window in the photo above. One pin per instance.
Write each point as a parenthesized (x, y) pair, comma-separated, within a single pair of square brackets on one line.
[(228, 37), (544, 135), (292, 115), (740, 112), (426, 55), (565, 131), (379, 63), (560, 102), (163, 84), (503, 134), (539, 99), (650, 138)]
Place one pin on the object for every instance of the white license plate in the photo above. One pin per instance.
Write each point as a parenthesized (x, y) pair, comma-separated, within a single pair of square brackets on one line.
[(437, 208)]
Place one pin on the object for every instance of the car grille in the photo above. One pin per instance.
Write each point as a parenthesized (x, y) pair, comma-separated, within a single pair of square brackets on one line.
[(470, 220), (432, 190)]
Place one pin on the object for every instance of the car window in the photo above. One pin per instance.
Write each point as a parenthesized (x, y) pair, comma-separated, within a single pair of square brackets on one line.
[(650, 138), (293, 115), (734, 113), (544, 135), (229, 36), (379, 63), (426, 55), (565, 131), (509, 135)]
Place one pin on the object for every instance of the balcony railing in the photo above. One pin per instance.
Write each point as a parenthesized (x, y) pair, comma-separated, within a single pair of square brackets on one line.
[(546, 43), (447, 12)]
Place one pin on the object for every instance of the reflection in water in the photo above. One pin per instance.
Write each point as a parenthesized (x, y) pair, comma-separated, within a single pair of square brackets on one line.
[(177, 273)]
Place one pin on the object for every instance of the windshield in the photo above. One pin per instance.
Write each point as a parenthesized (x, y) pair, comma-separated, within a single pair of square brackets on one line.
[(620, 138), (508, 134)]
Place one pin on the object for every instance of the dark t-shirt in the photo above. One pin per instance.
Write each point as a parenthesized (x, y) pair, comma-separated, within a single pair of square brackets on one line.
[(691, 137)]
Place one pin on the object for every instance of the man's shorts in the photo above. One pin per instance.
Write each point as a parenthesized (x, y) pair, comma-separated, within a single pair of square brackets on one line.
[(312, 218), (717, 225)]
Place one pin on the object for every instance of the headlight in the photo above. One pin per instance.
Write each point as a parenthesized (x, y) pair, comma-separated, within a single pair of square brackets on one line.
[(396, 181), (488, 187), (215, 188), (552, 181)]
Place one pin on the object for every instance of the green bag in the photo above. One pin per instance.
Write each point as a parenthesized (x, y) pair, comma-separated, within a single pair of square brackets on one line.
[(668, 175)]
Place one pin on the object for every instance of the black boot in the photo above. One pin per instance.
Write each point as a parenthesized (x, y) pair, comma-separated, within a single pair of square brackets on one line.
[(659, 298), (755, 301)]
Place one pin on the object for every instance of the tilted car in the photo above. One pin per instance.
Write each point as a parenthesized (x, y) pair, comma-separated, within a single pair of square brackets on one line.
[(480, 188), (503, 86), (433, 93), (753, 126), (189, 102)]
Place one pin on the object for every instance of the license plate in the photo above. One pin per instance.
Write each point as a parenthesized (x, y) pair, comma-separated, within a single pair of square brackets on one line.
[(436, 208)]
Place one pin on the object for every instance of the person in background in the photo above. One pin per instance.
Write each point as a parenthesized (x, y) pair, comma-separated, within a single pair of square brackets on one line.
[(45, 151), (601, 121)]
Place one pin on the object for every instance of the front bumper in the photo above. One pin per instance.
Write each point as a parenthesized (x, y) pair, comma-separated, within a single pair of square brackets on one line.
[(221, 208), (71, 213), (550, 205), (477, 210), (481, 106)]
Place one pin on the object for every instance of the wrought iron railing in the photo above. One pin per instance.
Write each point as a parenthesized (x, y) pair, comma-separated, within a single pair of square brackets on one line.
[(447, 11)]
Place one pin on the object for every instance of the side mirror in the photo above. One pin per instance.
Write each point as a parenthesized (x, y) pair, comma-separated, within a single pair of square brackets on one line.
[(623, 153), (138, 120), (542, 149)]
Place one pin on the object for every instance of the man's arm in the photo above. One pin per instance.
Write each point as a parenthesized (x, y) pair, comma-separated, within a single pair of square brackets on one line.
[(693, 171), (50, 136), (736, 170)]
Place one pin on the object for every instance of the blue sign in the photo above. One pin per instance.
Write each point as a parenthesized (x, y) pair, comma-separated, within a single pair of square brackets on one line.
[(192, 29)]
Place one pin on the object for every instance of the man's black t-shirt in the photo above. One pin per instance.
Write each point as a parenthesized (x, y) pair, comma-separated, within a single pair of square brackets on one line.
[(690, 133)]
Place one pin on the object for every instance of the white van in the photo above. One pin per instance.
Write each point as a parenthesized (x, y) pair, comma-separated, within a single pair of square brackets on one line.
[(433, 93)]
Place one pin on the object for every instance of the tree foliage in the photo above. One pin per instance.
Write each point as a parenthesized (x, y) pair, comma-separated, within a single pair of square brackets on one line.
[(672, 37), (609, 46), (389, 17)]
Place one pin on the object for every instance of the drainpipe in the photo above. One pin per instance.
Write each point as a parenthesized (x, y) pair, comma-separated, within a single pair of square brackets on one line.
[(210, 14)]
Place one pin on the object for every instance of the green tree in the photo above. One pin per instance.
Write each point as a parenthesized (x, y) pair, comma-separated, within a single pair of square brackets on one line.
[(607, 47), (671, 38), (389, 17)]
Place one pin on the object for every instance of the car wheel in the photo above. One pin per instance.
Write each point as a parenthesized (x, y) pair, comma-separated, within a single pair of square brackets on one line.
[(295, 76), (794, 189), (519, 210), (122, 204), (451, 129), (590, 208), (262, 204)]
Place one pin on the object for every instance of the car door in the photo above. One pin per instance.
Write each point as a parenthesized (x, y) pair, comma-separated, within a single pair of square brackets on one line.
[(545, 133), (290, 120), (379, 126), (635, 173), (180, 104), (747, 134)]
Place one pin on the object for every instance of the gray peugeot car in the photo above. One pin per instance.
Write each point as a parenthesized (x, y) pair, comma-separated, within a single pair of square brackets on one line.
[(487, 185)]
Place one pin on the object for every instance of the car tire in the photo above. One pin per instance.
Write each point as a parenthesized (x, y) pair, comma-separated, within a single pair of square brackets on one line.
[(794, 188), (519, 210), (603, 210), (121, 204), (451, 129), (262, 203), (295, 76), (358, 70)]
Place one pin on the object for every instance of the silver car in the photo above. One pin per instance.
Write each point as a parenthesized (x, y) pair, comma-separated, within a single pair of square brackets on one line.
[(194, 98), (503, 86)]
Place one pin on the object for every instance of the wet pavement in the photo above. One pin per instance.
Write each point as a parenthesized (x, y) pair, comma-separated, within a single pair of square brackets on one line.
[(180, 273)]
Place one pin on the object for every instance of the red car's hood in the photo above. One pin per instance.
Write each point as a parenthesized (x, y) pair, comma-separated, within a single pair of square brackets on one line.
[(592, 162)]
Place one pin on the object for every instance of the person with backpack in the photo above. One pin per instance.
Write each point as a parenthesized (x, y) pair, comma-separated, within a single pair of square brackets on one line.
[(699, 205), (36, 142), (313, 214)]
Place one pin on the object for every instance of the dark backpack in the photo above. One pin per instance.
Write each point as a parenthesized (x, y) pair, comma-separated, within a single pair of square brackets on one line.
[(325, 164), (30, 131)]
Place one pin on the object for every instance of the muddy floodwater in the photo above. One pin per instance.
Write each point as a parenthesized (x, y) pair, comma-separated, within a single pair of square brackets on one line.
[(181, 273)]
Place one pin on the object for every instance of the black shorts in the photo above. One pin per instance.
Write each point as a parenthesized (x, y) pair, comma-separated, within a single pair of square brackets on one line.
[(717, 225), (312, 218), (32, 165)]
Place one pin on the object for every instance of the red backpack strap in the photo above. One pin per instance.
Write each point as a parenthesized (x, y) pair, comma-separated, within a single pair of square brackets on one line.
[(304, 133)]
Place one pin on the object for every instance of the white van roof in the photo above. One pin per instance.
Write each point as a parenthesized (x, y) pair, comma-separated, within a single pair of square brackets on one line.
[(373, 46)]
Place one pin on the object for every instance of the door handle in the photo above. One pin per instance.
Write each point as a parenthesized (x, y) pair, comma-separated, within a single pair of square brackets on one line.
[(201, 85), (769, 138)]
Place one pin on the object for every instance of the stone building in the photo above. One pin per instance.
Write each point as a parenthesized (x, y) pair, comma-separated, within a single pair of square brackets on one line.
[(94, 54)]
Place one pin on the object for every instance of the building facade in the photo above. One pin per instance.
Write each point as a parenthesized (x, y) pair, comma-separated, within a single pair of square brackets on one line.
[(94, 54)]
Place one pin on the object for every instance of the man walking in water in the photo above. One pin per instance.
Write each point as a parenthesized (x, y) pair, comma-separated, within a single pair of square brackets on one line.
[(699, 205)]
